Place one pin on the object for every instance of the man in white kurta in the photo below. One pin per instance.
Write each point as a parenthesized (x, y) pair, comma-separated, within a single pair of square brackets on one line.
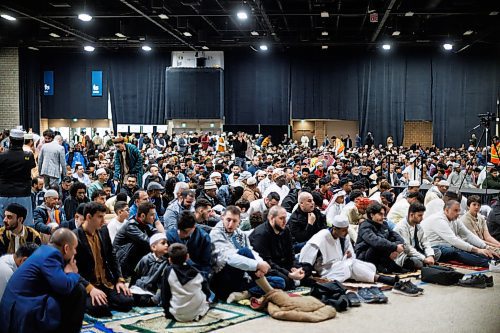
[(334, 261)]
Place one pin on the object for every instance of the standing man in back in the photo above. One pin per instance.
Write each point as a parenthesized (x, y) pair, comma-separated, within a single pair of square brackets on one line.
[(52, 162)]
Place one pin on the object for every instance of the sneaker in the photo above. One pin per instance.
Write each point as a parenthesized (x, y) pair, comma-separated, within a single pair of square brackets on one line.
[(495, 266), (366, 296), (472, 282), (405, 288), (353, 299), (379, 295), (410, 284), (488, 280)]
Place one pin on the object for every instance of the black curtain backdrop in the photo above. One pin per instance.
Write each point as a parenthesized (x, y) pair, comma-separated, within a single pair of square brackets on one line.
[(194, 93), (257, 88), (73, 86), (137, 88), (29, 90), (381, 91)]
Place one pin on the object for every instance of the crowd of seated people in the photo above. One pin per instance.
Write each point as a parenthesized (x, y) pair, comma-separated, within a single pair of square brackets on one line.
[(183, 220)]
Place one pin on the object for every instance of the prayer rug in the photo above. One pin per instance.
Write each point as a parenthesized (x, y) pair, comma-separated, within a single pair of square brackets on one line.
[(222, 315), (94, 328), (135, 312), (456, 264)]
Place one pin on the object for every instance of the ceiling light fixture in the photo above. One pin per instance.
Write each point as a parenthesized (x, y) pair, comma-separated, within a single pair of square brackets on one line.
[(324, 47), (242, 15), (163, 16), (89, 48), (204, 47), (493, 13), (468, 32), (53, 34), (324, 33), (409, 14), (386, 47), (187, 34), (33, 48), (120, 35), (146, 48), (254, 33), (84, 17), (325, 14), (396, 33), (263, 47), (8, 17), (448, 46)]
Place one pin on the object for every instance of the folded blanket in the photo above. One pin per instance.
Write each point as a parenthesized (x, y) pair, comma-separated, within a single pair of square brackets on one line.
[(303, 309)]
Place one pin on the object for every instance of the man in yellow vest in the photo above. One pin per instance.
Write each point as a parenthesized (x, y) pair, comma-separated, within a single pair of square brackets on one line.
[(495, 149)]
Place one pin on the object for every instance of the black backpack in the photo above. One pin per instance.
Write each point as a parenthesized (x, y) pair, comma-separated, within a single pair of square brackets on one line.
[(331, 293), (445, 276)]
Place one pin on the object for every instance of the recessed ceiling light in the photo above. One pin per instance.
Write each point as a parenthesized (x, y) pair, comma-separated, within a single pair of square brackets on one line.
[(396, 33), (33, 48), (468, 32), (146, 48), (84, 17), (242, 15), (53, 34), (8, 17), (254, 33), (163, 16), (187, 34), (120, 35), (324, 47), (493, 13), (325, 14), (204, 47), (324, 33), (59, 4), (448, 46), (263, 47), (409, 13), (89, 48), (386, 47)]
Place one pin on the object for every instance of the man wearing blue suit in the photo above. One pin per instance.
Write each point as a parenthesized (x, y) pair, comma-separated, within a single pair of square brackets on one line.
[(44, 294)]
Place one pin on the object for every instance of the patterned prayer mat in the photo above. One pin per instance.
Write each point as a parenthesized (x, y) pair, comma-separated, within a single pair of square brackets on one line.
[(456, 264), (135, 312), (221, 316), (94, 328)]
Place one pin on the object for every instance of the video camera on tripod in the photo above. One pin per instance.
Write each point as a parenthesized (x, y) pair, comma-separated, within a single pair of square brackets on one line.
[(486, 118)]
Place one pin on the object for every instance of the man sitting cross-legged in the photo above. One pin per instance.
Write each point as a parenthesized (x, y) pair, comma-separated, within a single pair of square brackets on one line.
[(97, 264), (330, 253), (236, 261)]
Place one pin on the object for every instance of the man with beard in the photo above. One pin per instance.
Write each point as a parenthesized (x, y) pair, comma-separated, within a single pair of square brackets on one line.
[(274, 243), (128, 160), (98, 265), (305, 221), (77, 196), (173, 211), (130, 187), (278, 185), (14, 233)]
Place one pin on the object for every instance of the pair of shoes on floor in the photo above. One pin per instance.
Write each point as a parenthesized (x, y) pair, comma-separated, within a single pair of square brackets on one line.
[(495, 266), (372, 295), (476, 281), (353, 298), (407, 288)]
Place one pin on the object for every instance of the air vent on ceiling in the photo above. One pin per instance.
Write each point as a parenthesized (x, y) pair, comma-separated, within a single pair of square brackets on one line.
[(60, 4)]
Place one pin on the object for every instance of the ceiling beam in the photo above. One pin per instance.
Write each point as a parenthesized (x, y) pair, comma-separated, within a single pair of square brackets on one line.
[(382, 22), (268, 23), (161, 26)]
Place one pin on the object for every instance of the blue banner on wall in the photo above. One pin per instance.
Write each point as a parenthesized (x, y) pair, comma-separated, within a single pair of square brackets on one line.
[(96, 83), (48, 83)]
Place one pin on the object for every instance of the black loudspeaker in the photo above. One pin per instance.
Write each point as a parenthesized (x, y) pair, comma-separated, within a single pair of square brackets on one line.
[(201, 62)]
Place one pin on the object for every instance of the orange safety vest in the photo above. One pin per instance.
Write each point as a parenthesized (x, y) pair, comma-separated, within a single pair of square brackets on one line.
[(494, 154)]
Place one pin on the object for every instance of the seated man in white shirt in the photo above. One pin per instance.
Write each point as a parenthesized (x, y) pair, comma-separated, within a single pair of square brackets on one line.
[(453, 239), (261, 205), (399, 211), (10, 262), (122, 211)]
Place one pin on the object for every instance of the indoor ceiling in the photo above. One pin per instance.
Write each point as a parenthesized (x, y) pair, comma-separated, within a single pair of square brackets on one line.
[(214, 24)]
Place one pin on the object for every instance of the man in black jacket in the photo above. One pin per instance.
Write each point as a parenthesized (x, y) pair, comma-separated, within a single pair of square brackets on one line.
[(77, 196), (240, 147), (97, 264), (132, 240), (274, 243), (305, 221), (378, 244)]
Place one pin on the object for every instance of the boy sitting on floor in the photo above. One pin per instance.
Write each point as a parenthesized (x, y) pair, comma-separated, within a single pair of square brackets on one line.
[(146, 279), (184, 291)]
